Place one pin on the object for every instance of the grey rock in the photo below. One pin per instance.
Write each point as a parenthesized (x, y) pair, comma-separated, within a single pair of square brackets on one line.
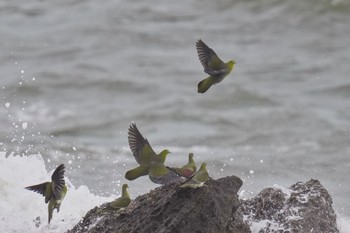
[(170, 209), (303, 208), (215, 207)]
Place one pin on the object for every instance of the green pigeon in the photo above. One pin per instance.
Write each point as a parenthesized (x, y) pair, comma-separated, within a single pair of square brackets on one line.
[(53, 191), (142, 152), (122, 201), (213, 66), (187, 170), (150, 163), (199, 178), (160, 174)]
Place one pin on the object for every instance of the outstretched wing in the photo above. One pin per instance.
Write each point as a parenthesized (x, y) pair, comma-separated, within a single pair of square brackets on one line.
[(211, 62), (39, 188), (58, 181), (140, 147)]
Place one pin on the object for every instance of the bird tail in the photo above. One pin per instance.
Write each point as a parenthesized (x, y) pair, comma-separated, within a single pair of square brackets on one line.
[(205, 84), (136, 173), (50, 208)]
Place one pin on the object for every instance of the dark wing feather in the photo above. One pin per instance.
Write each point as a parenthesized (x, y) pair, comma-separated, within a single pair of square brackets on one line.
[(58, 180), (39, 188), (208, 57), (137, 142)]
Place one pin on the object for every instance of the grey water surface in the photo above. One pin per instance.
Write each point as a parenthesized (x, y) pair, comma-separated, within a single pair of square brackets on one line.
[(75, 74)]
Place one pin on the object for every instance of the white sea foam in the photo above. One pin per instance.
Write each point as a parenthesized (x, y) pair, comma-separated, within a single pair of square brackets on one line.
[(26, 211)]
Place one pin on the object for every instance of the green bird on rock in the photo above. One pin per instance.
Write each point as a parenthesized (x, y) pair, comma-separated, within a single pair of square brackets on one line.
[(160, 174), (122, 201), (150, 163), (198, 179), (54, 191), (213, 66), (187, 170)]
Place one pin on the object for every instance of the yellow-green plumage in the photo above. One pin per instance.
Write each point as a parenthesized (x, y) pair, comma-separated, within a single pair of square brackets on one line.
[(200, 177), (54, 191), (122, 201), (136, 172), (213, 66), (151, 164), (187, 170)]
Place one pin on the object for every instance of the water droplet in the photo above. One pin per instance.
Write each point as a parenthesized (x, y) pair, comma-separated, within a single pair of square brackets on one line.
[(24, 125), (7, 105), (251, 172)]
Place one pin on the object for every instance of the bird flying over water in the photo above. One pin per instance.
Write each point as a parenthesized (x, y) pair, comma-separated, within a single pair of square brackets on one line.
[(122, 201), (187, 170), (213, 66), (150, 163), (53, 191), (198, 179)]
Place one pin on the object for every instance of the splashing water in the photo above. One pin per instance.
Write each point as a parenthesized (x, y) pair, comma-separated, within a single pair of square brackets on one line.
[(26, 211)]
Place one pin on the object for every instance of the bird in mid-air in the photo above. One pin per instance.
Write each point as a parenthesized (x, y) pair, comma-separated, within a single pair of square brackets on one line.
[(150, 163), (53, 191), (187, 170), (200, 177), (213, 66), (122, 201)]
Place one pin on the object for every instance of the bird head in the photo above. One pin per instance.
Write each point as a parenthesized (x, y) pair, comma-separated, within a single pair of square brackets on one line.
[(125, 190), (190, 157), (163, 154), (231, 64), (203, 166)]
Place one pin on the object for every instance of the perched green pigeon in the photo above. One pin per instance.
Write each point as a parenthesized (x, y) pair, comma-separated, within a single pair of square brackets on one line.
[(53, 191), (198, 179), (213, 66), (160, 174), (188, 170), (150, 163), (122, 201)]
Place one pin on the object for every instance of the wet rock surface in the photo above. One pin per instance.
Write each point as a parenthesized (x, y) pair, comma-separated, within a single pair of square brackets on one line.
[(215, 207), (304, 207)]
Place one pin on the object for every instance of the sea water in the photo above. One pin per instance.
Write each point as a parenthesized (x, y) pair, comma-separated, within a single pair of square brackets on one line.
[(25, 211), (75, 75)]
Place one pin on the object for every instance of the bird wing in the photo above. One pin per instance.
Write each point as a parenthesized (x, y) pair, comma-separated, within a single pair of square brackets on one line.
[(39, 188), (211, 62), (184, 172), (121, 202), (140, 147), (58, 181), (162, 175)]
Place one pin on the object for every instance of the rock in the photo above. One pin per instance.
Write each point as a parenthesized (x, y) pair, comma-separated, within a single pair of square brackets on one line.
[(215, 207), (170, 209), (304, 207)]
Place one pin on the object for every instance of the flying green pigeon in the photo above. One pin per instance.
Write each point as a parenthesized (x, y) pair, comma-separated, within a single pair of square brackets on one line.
[(122, 201), (142, 152), (188, 170), (213, 66), (198, 179), (151, 164), (53, 191)]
